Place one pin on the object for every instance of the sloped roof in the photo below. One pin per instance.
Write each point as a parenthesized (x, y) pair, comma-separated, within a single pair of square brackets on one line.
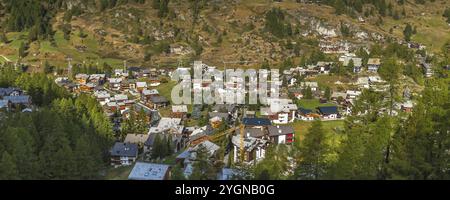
[(280, 130), (124, 149), (148, 171), (304, 111), (136, 138), (256, 121), (24, 99), (328, 110), (158, 99)]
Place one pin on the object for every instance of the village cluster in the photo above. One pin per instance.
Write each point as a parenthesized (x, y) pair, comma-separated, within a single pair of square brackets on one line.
[(250, 129)]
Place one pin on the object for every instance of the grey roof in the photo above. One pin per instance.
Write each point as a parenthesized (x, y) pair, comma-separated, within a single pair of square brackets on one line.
[(158, 99), (253, 132), (124, 149), (7, 91), (185, 154), (219, 114), (256, 121), (18, 99), (224, 107), (280, 130), (4, 103), (210, 147), (148, 171), (328, 110)]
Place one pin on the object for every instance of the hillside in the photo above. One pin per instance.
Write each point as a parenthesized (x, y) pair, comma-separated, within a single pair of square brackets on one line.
[(234, 32)]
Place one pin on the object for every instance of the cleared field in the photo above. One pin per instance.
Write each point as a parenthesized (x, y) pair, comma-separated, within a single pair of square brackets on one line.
[(331, 128)]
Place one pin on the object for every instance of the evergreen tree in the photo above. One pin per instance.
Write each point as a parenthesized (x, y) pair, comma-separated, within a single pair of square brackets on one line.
[(202, 167), (314, 149), (307, 93), (327, 93), (8, 168), (408, 32), (390, 71)]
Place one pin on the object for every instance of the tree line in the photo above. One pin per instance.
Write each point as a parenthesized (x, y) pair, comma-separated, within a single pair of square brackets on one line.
[(64, 138)]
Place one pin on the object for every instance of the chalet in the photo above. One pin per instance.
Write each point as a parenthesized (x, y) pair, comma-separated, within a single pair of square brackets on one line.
[(123, 154), (10, 92), (329, 112), (407, 106), (88, 87), (82, 78), (102, 95), (256, 122), (179, 111), (121, 73), (146, 94), (313, 85), (305, 114), (128, 84), (222, 115), (97, 78), (249, 114), (120, 98), (115, 83), (5, 105), (357, 63), (140, 86), (255, 132), (158, 101), (226, 108), (210, 147), (254, 149), (168, 125), (338, 95), (282, 111), (112, 106), (201, 134), (15, 101), (324, 67), (281, 134), (373, 64), (149, 171), (61, 81)]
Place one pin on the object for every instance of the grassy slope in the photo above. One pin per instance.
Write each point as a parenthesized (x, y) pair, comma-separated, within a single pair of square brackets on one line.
[(333, 137)]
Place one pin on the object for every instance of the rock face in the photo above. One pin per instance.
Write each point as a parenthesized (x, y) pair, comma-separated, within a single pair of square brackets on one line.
[(84, 5)]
